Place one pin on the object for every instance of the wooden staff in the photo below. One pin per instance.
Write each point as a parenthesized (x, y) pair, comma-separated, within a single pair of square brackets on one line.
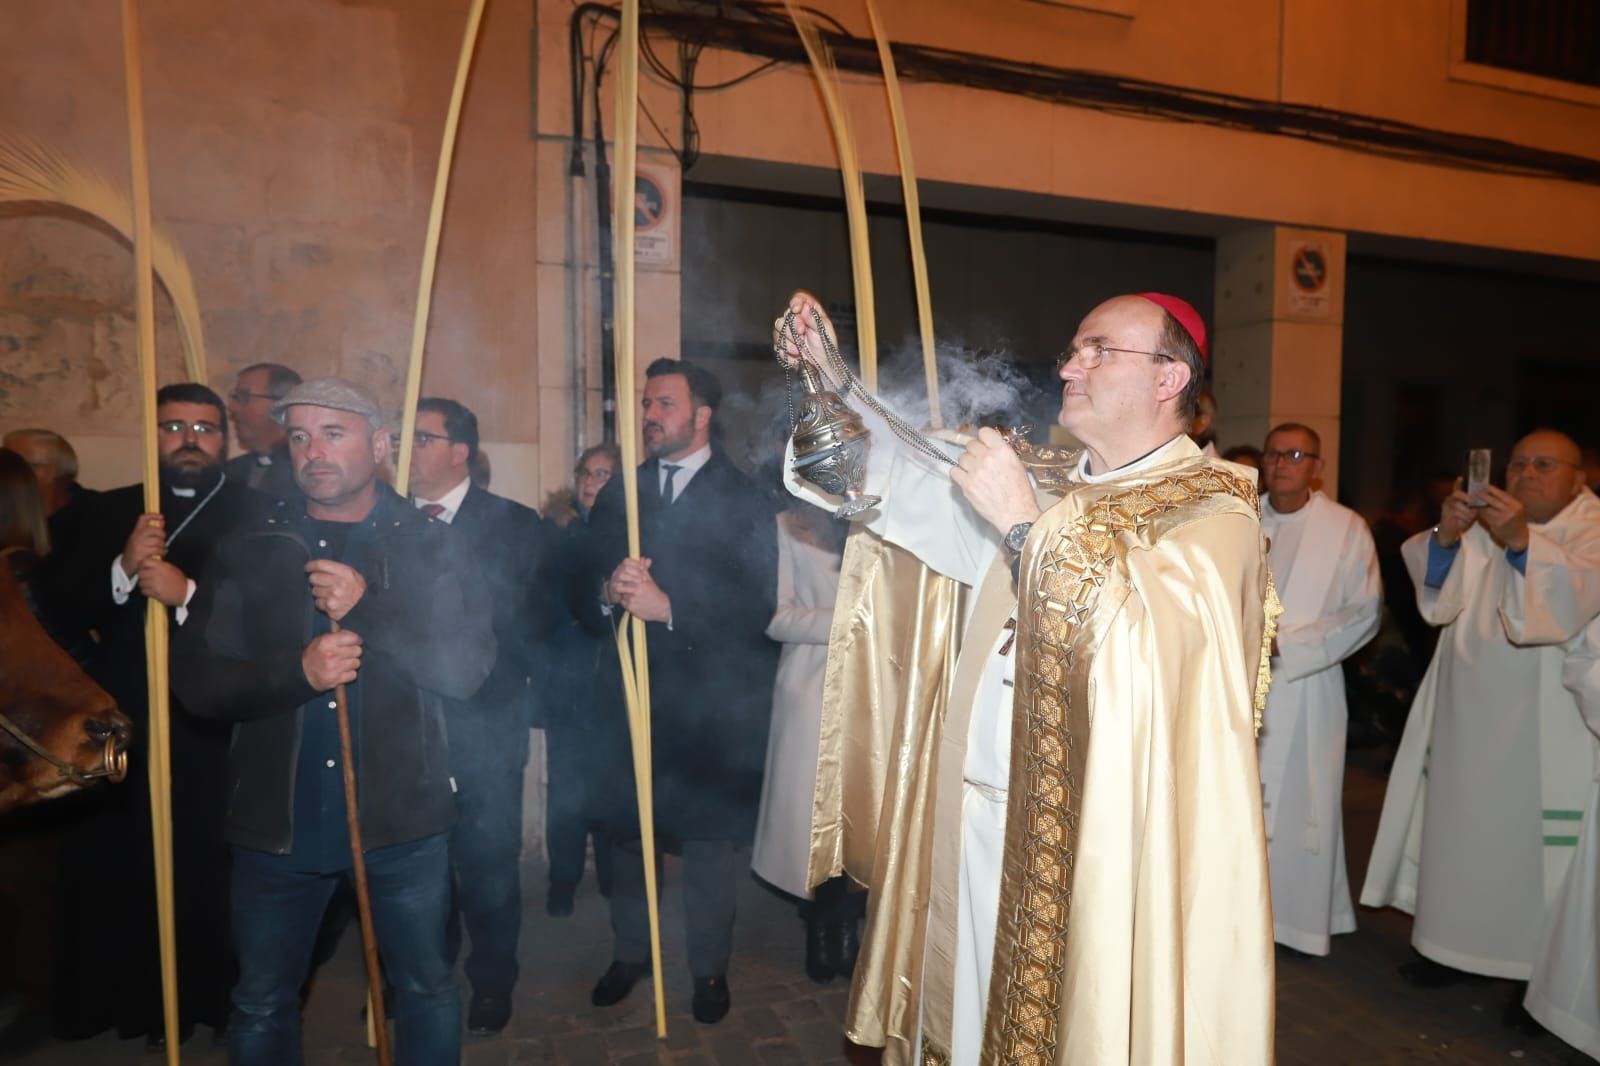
[(155, 641), (632, 652), (377, 1024), (377, 1028), (908, 184)]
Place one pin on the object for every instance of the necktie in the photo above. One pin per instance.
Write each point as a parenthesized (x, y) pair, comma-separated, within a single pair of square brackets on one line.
[(432, 510), (666, 487)]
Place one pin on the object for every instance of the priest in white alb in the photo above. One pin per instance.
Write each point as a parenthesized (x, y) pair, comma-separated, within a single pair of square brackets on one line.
[(1564, 991), (1326, 569), (1475, 836), (1094, 887)]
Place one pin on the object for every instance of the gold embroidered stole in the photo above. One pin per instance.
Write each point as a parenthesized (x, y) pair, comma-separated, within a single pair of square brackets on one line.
[(1070, 553)]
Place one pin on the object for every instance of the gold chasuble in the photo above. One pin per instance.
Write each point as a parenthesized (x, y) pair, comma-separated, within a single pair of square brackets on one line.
[(1134, 923)]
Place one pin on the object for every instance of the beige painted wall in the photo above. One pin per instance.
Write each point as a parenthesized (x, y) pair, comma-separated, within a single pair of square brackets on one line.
[(293, 147)]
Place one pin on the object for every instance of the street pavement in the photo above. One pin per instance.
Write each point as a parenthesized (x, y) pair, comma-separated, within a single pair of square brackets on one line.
[(1349, 1008)]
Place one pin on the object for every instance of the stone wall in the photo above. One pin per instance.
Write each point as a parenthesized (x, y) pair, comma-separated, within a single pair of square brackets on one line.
[(293, 148)]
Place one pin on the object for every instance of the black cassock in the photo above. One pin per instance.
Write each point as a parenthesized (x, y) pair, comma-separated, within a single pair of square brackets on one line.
[(714, 553), (107, 960)]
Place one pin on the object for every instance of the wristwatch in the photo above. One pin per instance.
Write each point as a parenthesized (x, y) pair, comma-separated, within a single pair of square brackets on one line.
[(1017, 536)]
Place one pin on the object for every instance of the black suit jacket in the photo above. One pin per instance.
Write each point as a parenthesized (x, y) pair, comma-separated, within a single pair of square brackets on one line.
[(714, 553), (504, 541)]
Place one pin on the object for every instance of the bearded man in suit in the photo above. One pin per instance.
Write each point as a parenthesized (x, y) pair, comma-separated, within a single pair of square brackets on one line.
[(706, 586)]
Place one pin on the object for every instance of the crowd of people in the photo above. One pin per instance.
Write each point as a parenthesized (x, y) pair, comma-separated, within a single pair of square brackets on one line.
[(455, 620)]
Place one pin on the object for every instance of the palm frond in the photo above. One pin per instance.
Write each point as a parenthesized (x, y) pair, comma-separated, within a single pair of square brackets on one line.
[(32, 173)]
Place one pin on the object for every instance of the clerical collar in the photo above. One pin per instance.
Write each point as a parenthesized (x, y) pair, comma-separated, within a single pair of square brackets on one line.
[(263, 460), (187, 494), (1148, 459)]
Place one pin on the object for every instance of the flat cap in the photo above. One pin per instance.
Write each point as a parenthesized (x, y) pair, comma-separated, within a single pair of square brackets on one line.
[(334, 393)]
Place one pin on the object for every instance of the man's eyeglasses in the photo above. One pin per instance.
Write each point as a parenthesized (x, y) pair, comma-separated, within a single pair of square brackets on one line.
[(244, 396), (176, 426), (1293, 455), (1092, 355), (422, 438), (600, 474), (1542, 464)]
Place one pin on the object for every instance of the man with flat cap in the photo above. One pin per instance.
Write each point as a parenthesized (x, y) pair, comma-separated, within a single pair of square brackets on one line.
[(1092, 882), (346, 586)]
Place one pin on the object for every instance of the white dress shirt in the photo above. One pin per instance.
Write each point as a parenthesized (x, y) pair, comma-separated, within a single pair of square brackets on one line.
[(687, 468), (450, 501)]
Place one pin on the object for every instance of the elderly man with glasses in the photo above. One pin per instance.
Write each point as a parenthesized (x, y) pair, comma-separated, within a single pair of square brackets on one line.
[(1493, 770), (1326, 569), (1080, 855), (264, 463)]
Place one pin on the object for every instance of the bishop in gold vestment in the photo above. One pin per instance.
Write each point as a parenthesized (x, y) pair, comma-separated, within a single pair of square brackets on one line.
[(1068, 856)]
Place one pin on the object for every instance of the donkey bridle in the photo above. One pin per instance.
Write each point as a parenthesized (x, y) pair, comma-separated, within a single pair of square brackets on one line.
[(113, 763)]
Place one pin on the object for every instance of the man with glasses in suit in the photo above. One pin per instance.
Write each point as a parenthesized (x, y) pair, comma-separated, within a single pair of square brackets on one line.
[(489, 732)]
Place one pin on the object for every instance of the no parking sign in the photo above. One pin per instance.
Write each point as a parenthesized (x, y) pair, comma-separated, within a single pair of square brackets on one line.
[(655, 239), (1308, 279)]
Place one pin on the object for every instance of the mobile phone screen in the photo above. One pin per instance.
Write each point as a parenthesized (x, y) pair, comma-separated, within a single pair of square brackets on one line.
[(1479, 461)]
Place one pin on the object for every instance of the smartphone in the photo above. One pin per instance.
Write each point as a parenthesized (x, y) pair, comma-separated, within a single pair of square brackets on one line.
[(1479, 462)]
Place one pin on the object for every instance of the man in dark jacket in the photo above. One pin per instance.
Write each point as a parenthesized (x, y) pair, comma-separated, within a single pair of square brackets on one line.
[(351, 587), (488, 734), (707, 585), (123, 558)]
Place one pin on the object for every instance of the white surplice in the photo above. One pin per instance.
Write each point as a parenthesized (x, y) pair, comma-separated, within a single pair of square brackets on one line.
[(1494, 752), (808, 583), (1326, 569), (1564, 991)]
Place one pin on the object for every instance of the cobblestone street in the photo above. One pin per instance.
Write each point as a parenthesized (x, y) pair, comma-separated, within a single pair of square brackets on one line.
[(1349, 1008)]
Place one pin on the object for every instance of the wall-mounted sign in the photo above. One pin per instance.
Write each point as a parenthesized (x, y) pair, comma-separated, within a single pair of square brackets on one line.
[(1308, 279), (655, 217)]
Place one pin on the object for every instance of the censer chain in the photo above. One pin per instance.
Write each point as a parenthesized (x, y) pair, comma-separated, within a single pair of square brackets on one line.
[(899, 426)]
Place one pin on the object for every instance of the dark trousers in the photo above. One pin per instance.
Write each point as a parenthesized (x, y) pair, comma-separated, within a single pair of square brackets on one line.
[(568, 824), (277, 911), (711, 872), (486, 855)]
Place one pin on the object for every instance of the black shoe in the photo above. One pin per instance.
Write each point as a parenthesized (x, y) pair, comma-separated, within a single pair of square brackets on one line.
[(618, 980), (711, 1000), (822, 953), (558, 901), (849, 946), (1422, 972), (488, 1014)]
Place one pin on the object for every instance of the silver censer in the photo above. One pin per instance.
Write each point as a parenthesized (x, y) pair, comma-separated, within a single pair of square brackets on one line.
[(830, 444)]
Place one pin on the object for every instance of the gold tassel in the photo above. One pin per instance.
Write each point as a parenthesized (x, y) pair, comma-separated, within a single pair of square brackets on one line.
[(1271, 608), (32, 173)]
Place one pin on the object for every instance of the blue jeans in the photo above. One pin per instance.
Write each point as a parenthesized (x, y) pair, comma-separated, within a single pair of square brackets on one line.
[(276, 913)]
